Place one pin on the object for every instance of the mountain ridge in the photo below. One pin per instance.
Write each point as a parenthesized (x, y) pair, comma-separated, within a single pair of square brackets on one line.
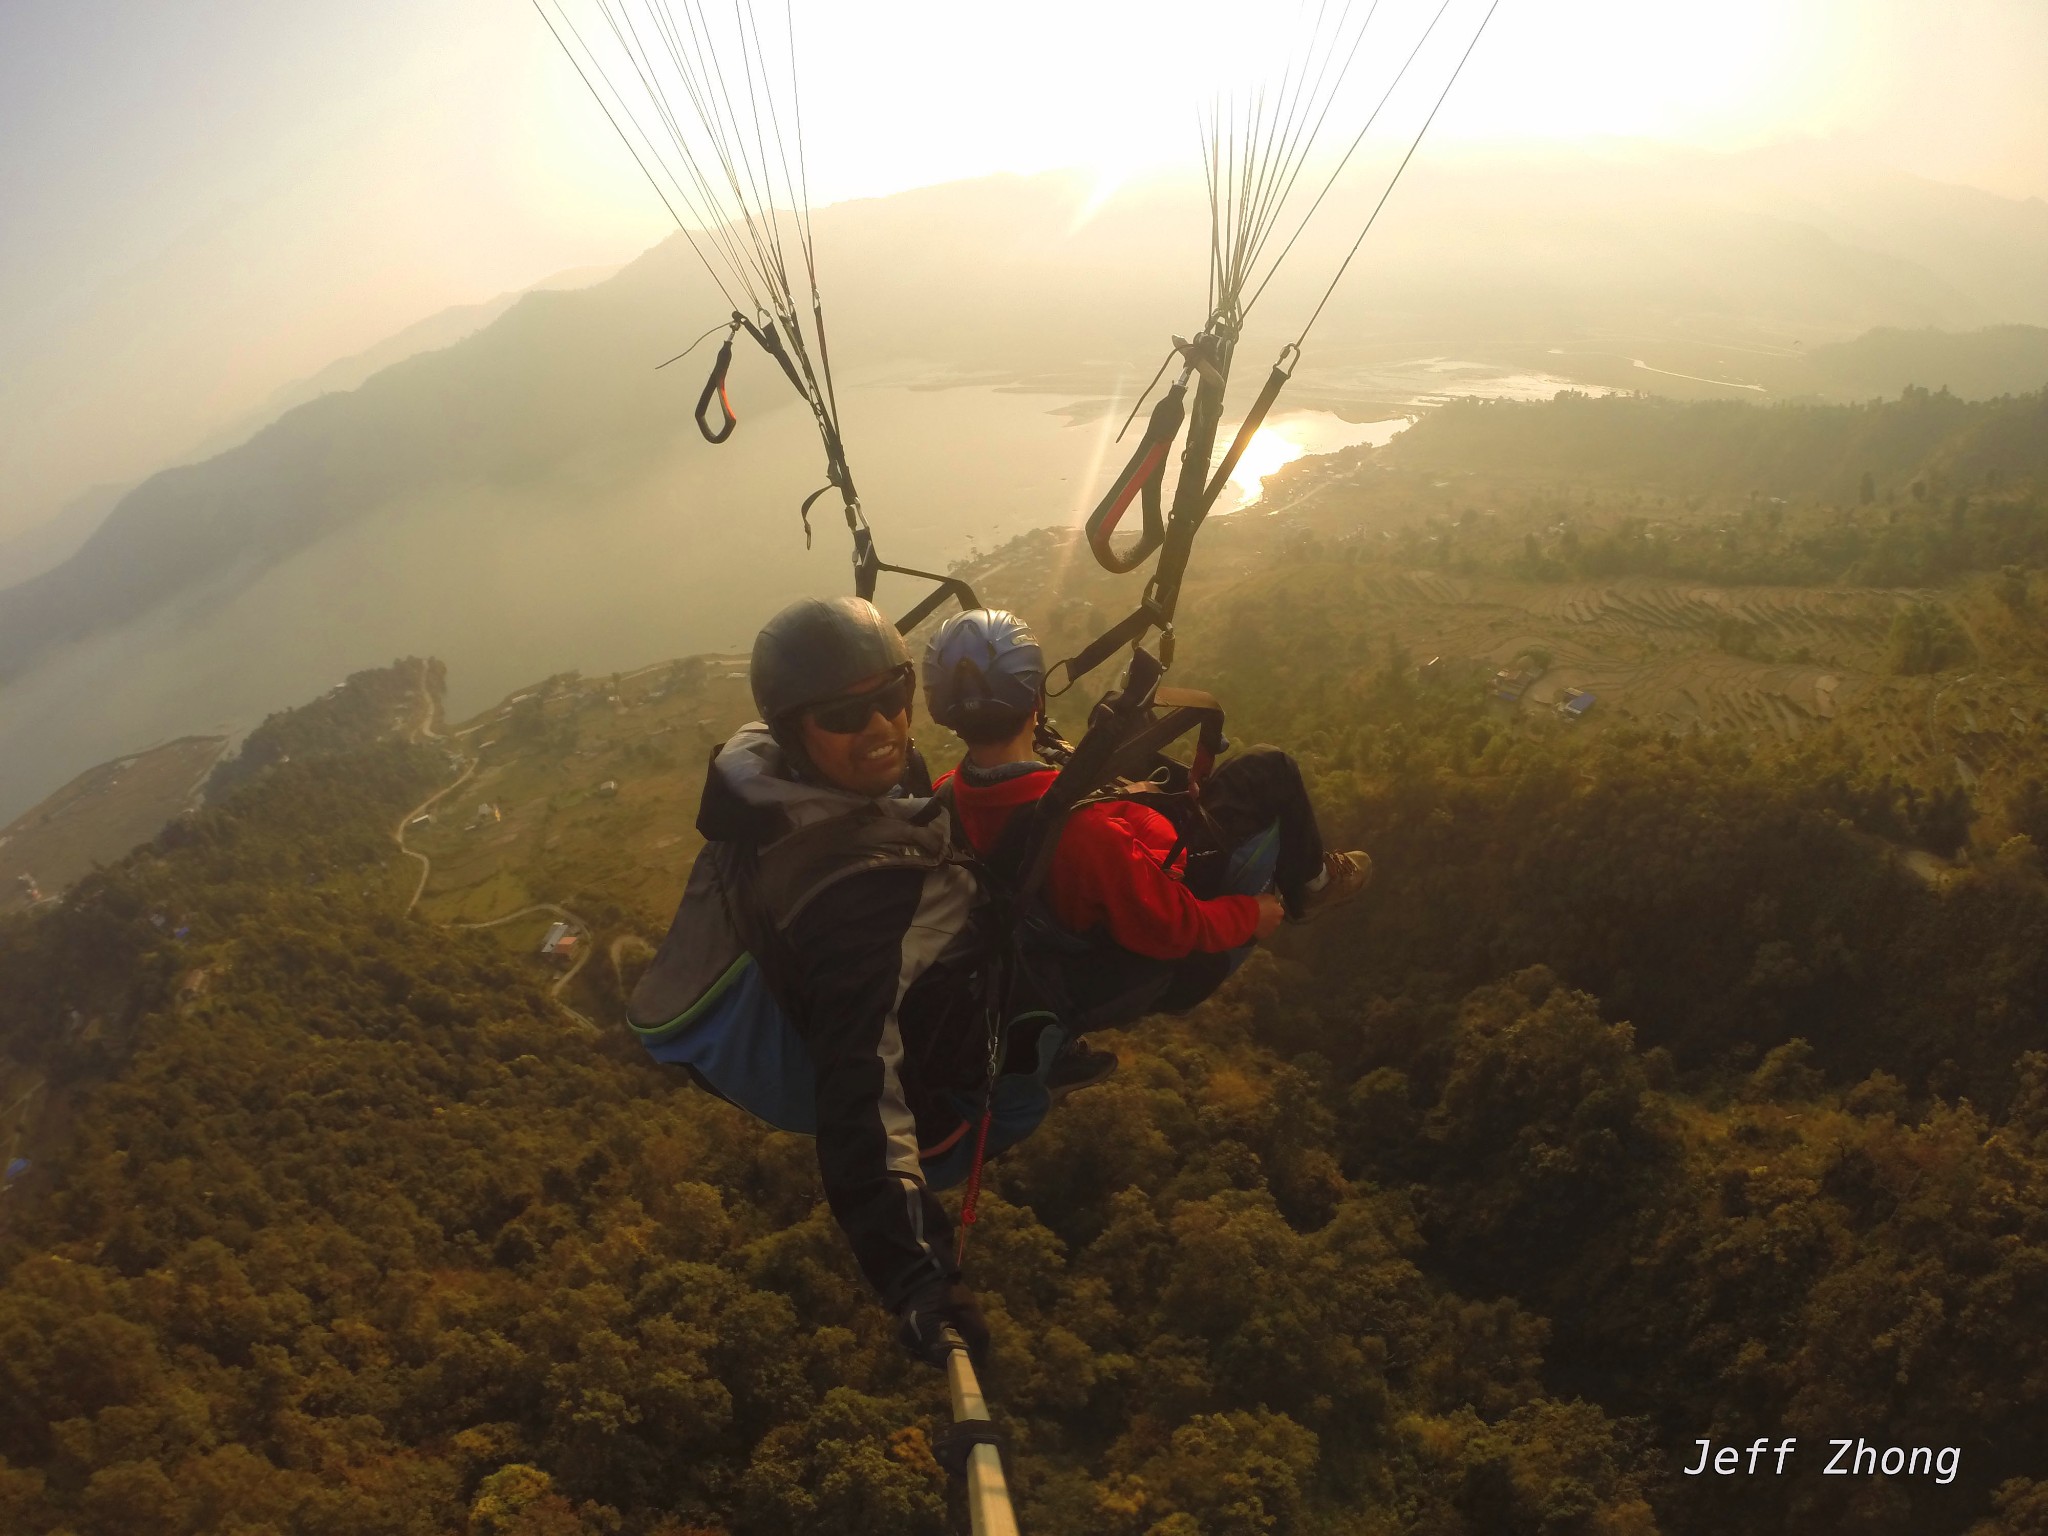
[(552, 425), (1004, 231)]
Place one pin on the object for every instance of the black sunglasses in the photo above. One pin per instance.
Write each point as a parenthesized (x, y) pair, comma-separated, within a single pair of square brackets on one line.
[(849, 712)]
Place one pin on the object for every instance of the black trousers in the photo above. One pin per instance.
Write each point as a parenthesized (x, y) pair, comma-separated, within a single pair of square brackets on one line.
[(1245, 795)]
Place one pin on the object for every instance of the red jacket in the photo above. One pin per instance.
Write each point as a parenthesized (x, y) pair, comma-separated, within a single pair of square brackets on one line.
[(1110, 872)]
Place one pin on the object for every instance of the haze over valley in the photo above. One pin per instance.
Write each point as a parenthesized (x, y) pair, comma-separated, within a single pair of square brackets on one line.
[(533, 495)]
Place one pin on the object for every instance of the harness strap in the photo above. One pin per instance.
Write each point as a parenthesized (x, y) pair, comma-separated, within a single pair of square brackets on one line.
[(998, 985), (715, 386), (1209, 743), (804, 511), (867, 565), (1124, 741), (1254, 419), (1047, 741), (770, 340), (970, 1202), (1144, 476), (945, 587), (1162, 594), (1105, 645)]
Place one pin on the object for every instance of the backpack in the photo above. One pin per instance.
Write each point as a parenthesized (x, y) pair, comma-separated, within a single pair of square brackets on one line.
[(704, 1005), (709, 1001)]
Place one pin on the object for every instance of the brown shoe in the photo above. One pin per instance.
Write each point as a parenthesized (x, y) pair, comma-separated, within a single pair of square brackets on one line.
[(1348, 874)]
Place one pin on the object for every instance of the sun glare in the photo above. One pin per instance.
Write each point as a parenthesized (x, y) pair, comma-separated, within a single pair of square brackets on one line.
[(1268, 450), (1107, 178), (1292, 435)]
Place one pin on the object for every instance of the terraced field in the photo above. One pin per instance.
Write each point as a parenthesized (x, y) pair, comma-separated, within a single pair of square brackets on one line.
[(1770, 665), (1657, 653), (536, 822), (101, 814)]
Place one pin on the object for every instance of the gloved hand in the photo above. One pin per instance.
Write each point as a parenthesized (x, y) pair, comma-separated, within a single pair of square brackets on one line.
[(941, 1304)]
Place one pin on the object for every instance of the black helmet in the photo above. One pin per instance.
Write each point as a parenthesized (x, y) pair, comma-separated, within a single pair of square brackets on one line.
[(817, 648), (983, 672)]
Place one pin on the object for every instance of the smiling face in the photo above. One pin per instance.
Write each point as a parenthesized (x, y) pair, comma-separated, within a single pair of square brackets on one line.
[(867, 761)]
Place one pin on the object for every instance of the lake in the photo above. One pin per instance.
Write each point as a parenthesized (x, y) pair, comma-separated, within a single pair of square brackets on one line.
[(600, 569)]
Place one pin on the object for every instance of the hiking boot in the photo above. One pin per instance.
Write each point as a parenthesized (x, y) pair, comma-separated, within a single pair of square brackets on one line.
[(1078, 1065), (1346, 874)]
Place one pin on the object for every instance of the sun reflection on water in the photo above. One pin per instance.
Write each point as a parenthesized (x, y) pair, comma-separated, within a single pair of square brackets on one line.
[(1267, 451), (1293, 435)]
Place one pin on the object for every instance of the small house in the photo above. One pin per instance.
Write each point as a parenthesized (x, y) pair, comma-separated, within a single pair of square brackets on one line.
[(1575, 703), (552, 943), (1510, 683)]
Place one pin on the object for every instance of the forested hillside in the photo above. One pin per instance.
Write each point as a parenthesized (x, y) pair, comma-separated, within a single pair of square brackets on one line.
[(1644, 1099), (1933, 438), (361, 710)]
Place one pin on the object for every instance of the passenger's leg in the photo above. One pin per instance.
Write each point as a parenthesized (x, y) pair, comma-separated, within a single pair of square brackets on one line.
[(1243, 870), (1109, 988), (1195, 977), (1248, 794)]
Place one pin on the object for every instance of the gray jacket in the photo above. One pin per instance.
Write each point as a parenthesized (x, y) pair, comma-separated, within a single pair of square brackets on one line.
[(860, 916)]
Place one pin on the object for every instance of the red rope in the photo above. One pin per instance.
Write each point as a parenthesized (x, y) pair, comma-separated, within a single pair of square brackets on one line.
[(967, 1205)]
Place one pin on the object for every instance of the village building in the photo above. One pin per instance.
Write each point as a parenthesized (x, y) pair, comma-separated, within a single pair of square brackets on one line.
[(1510, 683)]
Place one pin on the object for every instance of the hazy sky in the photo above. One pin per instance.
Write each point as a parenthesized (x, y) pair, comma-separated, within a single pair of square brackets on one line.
[(202, 201)]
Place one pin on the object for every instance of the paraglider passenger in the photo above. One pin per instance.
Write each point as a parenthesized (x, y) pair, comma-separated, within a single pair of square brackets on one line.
[(1196, 896)]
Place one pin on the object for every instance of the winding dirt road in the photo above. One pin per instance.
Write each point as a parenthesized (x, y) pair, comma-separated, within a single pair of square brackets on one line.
[(582, 957), (425, 731), (398, 832)]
